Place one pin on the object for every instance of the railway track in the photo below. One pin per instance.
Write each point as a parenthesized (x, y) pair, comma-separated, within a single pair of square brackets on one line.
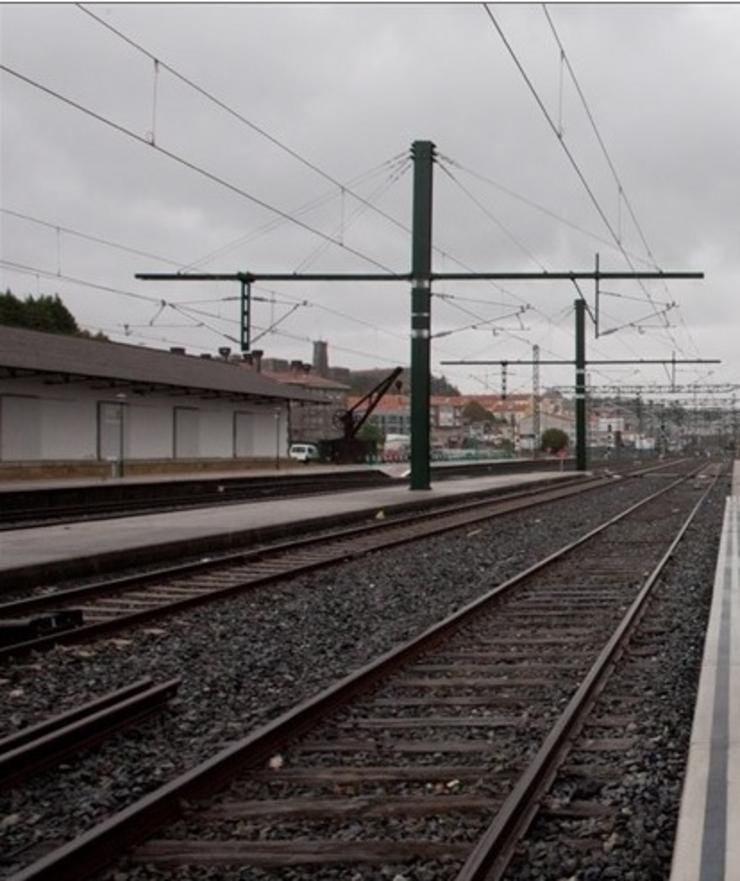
[(115, 603), (434, 757), (47, 743)]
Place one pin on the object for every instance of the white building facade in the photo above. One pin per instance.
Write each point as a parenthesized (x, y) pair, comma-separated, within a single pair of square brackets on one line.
[(64, 399)]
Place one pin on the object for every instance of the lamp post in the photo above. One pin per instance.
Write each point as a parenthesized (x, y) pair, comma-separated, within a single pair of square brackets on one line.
[(277, 440), (121, 396)]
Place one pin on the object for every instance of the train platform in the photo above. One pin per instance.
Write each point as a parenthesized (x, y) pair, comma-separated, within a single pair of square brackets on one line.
[(55, 552), (707, 846), (287, 470)]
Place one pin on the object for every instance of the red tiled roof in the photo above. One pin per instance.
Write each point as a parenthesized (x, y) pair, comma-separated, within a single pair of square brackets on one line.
[(305, 380)]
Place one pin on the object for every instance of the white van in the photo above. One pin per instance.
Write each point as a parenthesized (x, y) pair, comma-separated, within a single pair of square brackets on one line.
[(304, 453)]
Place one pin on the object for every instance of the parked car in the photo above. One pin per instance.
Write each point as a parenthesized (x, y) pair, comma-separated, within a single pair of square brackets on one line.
[(304, 453)]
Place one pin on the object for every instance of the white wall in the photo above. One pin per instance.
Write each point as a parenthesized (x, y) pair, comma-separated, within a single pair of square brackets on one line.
[(60, 422), (148, 430)]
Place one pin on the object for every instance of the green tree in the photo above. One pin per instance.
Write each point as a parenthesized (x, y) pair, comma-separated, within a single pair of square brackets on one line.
[(554, 439), (361, 381), (371, 432), (474, 411), (44, 313), (440, 385)]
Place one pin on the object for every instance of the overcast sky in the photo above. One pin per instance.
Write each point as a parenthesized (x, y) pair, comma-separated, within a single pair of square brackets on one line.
[(348, 88)]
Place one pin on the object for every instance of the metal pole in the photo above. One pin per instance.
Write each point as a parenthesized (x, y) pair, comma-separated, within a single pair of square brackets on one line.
[(536, 404), (277, 440), (596, 298), (245, 317), (421, 300), (581, 453)]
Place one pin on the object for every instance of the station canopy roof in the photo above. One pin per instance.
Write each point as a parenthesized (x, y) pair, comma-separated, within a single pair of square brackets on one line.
[(62, 359)]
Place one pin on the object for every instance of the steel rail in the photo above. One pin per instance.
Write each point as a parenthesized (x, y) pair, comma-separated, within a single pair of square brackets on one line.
[(49, 742), (469, 514), (491, 856), (476, 500), (100, 846)]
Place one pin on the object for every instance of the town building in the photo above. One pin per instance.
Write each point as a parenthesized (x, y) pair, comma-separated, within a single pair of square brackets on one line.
[(318, 419)]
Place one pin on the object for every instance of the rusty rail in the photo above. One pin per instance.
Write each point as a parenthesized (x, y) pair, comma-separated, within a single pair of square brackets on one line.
[(47, 743), (418, 525), (99, 847), (494, 851)]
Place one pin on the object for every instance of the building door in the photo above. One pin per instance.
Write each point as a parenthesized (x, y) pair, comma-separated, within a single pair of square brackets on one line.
[(20, 428), (186, 433), (110, 431), (243, 435)]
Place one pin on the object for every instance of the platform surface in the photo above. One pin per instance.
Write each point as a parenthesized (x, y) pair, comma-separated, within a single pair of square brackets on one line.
[(287, 469), (707, 846), (46, 545)]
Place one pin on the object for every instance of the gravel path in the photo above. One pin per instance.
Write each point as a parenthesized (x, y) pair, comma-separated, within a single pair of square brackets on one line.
[(245, 660)]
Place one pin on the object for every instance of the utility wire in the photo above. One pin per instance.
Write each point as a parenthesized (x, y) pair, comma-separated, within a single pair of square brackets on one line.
[(358, 211), (571, 158), (610, 163), (541, 208), (32, 270), (288, 301), (186, 312), (307, 207), (88, 237), (230, 110), (190, 165), (489, 214), (175, 157), (622, 191)]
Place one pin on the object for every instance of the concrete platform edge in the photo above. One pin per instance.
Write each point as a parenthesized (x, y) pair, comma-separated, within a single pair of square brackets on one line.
[(99, 564)]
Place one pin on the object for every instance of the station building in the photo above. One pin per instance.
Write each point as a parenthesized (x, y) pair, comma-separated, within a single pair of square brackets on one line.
[(76, 406)]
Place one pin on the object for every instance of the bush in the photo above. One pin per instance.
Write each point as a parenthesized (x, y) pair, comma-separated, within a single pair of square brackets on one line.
[(554, 440)]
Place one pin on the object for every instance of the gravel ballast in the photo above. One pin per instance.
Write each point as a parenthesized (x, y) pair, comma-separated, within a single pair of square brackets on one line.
[(245, 660)]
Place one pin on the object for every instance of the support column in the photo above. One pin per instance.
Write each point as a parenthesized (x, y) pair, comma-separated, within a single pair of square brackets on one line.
[(245, 315), (581, 451), (536, 403), (422, 153)]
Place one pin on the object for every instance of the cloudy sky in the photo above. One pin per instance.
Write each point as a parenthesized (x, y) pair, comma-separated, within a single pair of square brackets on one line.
[(347, 89)]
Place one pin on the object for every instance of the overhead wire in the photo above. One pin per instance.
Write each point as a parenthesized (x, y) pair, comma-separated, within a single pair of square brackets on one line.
[(492, 217), (230, 110), (359, 210), (305, 208), (536, 206), (597, 133), (190, 165), (561, 140), (621, 189), (91, 238), (187, 312), (199, 169), (288, 300)]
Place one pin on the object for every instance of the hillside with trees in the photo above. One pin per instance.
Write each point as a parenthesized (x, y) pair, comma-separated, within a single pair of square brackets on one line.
[(362, 381)]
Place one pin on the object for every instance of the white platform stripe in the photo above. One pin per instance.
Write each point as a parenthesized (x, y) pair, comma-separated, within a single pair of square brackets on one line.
[(733, 759), (708, 840), (736, 478)]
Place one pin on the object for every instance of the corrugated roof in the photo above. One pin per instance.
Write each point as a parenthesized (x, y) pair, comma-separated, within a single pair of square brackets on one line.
[(57, 353)]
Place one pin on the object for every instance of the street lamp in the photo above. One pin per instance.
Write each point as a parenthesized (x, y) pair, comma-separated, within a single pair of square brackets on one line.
[(277, 440), (121, 396)]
